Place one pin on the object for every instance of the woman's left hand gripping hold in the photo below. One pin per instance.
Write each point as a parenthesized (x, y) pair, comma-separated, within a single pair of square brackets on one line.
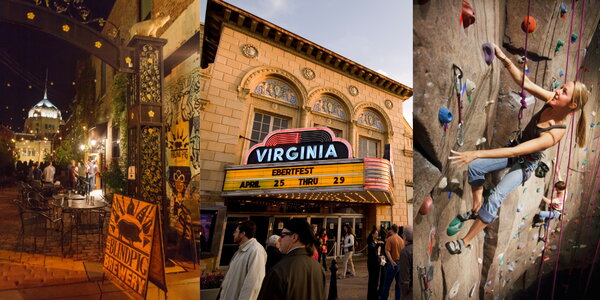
[(462, 158)]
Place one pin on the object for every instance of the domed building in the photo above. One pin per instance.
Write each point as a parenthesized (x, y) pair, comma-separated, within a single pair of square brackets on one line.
[(44, 119)]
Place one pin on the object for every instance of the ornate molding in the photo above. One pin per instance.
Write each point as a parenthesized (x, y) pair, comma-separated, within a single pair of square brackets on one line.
[(370, 105), (313, 96), (253, 76)]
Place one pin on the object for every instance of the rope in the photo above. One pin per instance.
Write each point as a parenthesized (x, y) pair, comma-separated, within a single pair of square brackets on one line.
[(571, 141), (523, 94), (547, 223)]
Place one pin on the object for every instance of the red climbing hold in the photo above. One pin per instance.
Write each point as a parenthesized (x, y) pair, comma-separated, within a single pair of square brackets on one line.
[(426, 206), (467, 17), (529, 24)]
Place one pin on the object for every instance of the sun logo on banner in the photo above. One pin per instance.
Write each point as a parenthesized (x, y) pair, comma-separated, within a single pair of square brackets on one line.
[(132, 222)]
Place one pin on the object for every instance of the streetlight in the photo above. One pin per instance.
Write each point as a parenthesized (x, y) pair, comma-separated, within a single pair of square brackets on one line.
[(93, 143), (82, 147)]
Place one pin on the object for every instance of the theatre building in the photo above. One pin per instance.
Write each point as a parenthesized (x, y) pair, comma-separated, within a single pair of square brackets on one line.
[(290, 129)]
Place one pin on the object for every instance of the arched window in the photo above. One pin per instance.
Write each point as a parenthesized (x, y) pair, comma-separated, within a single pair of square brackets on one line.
[(276, 89), (372, 133)]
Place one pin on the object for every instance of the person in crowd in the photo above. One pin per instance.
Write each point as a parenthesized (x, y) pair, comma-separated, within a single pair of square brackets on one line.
[(406, 264), (556, 203), (82, 176), (247, 267), (30, 175), (72, 174), (48, 174), (273, 253), (92, 170), (322, 239), (393, 246), (37, 172), (297, 276), (383, 235), (545, 129), (373, 263), (348, 251)]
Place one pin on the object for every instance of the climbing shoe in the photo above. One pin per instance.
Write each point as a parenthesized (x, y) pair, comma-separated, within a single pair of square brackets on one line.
[(468, 215), (454, 227), (456, 247)]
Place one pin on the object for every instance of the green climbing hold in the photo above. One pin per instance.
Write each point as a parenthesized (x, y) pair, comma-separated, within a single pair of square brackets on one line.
[(454, 227)]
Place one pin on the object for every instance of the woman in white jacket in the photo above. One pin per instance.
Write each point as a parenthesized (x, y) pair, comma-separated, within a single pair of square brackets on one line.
[(348, 250)]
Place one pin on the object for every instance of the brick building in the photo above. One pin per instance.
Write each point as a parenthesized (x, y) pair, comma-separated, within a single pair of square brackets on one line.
[(258, 78)]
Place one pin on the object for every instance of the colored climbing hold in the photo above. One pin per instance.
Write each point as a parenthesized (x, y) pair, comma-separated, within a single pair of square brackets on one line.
[(454, 227), (584, 163), (529, 24), (480, 141), (561, 73), (555, 85), (488, 53), (563, 10), (426, 206), (538, 190), (574, 37), (467, 17), (558, 45), (546, 258), (592, 124), (443, 183), (445, 115), (470, 88), (520, 207)]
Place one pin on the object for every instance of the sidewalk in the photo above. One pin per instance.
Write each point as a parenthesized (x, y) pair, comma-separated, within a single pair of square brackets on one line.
[(353, 287), (35, 276)]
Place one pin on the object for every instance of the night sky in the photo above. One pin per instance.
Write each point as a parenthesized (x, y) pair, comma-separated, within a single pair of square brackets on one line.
[(25, 55)]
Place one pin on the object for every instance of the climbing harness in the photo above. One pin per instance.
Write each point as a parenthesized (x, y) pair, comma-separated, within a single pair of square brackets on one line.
[(458, 75)]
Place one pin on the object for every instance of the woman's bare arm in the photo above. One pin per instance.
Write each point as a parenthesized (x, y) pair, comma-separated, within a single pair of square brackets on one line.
[(517, 76), (541, 143)]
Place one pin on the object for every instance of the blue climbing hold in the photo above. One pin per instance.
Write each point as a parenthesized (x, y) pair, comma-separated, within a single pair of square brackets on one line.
[(561, 73), (563, 8), (445, 115)]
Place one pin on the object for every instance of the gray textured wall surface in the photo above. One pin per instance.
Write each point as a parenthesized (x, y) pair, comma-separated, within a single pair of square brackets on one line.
[(505, 258)]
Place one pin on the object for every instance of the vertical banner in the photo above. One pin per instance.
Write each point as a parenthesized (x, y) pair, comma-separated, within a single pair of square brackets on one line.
[(134, 250)]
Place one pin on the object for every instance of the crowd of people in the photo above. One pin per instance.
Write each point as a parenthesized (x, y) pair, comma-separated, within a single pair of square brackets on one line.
[(80, 176), (294, 264)]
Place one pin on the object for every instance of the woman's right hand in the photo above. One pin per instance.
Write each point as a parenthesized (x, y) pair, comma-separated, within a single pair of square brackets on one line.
[(499, 53)]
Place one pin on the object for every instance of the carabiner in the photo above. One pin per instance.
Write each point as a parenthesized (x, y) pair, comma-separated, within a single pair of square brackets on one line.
[(458, 74)]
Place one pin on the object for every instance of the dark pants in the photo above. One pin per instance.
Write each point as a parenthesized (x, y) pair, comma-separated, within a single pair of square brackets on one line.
[(391, 274), (323, 258), (374, 270)]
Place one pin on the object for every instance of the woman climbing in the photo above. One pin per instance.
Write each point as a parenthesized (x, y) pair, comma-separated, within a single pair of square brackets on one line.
[(546, 128), (555, 205)]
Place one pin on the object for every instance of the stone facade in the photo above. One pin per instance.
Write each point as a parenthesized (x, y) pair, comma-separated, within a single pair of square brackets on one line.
[(253, 77)]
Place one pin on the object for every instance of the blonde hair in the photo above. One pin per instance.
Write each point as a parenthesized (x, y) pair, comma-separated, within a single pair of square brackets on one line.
[(580, 97)]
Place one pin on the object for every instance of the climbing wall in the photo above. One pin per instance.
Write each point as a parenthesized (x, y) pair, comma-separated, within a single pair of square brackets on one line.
[(504, 259)]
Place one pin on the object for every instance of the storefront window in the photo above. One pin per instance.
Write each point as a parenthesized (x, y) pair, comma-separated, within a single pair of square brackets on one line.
[(263, 124)]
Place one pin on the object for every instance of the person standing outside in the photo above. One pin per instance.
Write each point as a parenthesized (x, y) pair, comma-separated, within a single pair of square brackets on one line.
[(48, 173), (373, 263), (406, 262), (393, 246), (348, 250), (92, 175), (247, 268), (296, 276), (323, 247), (73, 174), (273, 253)]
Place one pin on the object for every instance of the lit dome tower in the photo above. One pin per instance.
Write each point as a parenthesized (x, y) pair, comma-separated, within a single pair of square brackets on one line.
[(44, 119)]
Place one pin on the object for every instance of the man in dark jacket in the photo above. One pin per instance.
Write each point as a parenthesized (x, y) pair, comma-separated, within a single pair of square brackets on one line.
[(297, 276), (406, 261)]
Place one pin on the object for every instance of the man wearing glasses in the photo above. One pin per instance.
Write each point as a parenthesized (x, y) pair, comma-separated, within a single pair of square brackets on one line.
[(297, 276), (247, 267)]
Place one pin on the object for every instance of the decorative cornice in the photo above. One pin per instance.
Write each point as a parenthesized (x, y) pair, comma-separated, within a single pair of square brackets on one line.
[(219, 13)]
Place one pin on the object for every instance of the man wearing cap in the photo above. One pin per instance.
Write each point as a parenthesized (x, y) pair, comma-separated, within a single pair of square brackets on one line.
[(247, 267), (297, 276)]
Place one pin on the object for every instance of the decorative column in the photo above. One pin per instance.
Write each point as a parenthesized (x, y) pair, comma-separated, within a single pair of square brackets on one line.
[(146, 148)]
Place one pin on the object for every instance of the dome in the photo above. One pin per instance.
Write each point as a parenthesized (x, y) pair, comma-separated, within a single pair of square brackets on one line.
[(46, 109)]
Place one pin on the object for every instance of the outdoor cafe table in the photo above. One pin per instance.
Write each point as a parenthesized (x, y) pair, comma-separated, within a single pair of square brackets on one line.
[(78, 207)]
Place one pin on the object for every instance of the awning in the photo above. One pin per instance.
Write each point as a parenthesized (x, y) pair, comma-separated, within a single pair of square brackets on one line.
[(364, 180)]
